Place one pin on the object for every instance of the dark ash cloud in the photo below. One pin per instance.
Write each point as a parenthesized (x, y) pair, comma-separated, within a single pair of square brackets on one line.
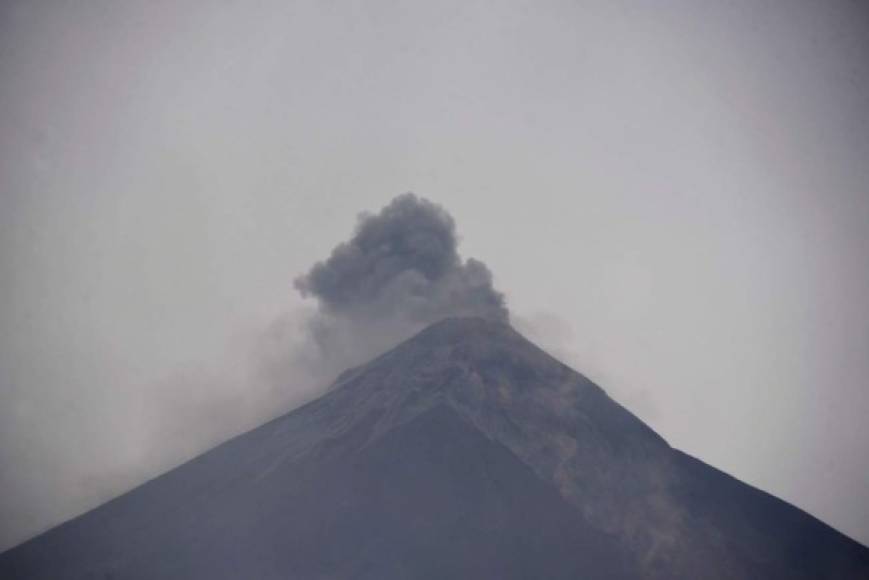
[(399, 272)]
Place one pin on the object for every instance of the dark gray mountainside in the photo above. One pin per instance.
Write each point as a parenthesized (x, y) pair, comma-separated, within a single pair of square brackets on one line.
[(465, 452)]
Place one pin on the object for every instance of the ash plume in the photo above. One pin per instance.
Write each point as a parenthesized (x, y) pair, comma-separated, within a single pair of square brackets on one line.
[(399, 272)]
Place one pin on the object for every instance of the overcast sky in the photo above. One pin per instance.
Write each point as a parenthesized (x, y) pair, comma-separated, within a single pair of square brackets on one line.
[(673, 195)]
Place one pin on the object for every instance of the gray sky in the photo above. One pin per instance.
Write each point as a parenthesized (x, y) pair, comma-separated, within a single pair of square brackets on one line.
[(674, 197)]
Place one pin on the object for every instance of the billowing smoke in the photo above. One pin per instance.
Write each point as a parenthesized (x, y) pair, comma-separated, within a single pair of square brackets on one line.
[(399, 272)]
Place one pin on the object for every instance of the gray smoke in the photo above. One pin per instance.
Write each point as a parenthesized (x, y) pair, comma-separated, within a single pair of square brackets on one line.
[(399, 272)]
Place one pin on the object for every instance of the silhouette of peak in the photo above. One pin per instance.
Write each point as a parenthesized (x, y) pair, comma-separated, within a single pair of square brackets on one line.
[(464, 452), (474, 345), (464, 326)]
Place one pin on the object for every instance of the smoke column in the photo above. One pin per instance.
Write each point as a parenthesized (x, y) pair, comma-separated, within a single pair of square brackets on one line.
[(400, 272)]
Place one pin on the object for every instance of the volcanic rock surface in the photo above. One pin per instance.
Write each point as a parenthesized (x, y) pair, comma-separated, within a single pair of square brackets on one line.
[(465, 452)]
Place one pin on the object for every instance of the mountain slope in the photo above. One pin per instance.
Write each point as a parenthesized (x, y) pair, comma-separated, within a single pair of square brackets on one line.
[(465, 452)]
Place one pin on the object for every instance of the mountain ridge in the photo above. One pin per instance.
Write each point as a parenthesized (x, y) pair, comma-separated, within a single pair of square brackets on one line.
[(668, 515)]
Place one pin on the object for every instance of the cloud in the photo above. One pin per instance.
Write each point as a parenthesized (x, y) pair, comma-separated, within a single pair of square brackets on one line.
[(400, 272)]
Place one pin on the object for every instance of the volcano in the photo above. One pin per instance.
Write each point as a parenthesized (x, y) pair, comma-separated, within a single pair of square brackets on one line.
[(464, 452)]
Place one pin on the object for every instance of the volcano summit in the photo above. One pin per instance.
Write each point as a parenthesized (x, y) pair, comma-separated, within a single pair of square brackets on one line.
[(465, 452)]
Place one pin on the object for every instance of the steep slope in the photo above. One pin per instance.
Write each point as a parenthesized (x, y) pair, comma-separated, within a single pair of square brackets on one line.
[(465, 452)]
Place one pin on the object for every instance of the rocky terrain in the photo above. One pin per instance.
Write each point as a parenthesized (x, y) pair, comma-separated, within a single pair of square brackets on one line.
[(465, 452)]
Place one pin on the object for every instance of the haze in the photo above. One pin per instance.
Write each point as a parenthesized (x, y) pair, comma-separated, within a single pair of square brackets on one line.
[(671, 195)]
